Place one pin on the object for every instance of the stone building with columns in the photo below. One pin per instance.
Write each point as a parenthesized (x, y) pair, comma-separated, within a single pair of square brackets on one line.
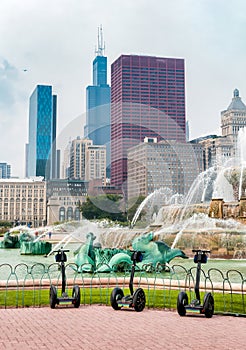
[(23, 201), (63, 199), (219, 149)]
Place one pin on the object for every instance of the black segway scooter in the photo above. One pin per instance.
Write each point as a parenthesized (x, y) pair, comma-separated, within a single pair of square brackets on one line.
[(61, 258), (207, 307), (135, 300)]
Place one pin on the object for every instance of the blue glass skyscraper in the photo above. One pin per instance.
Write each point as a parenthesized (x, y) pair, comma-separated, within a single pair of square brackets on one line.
[(41, 151), (97, 126), (5, 171)]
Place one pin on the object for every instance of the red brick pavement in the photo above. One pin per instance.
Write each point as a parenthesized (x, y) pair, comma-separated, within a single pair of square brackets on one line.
[(100, 327)]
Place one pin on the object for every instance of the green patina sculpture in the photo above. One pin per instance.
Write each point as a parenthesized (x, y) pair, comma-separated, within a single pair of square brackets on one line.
[(10, 241), (26, 237), (157, 254), (35, 248), (90, 257), (30, 246), (25, 241), (85, 255)]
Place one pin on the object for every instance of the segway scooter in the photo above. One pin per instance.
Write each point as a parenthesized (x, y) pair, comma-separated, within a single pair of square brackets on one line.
[(135, 300), (207, 307), (61, 258)]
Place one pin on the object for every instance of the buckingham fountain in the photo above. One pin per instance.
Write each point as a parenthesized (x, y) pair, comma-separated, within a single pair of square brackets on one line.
[(181, 224)]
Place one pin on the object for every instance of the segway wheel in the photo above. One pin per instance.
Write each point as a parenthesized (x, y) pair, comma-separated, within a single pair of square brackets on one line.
[(139, 300), (117, 294), (182, 301), (208, 305), (53, 296), (76, 296)]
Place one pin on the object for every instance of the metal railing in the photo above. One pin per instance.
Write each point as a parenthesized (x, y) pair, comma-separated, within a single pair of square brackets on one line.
[(23, 285)]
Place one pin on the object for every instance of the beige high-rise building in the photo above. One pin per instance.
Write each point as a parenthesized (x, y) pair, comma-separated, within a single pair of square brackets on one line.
[(96, 163), (23, 201), (87, 161), (169, 164), (78, 151), (233, 118), (217, 150), (66, 162)]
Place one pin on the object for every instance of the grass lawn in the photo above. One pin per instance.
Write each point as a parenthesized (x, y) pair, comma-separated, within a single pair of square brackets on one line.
[(155, 298)]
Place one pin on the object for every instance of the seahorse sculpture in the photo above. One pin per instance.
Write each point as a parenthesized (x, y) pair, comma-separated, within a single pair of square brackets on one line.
[(85, 256), (155, 253)]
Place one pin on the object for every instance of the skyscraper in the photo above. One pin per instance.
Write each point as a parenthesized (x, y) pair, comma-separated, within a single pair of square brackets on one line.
[(78, 151), (233, 118), (219, 149), (41, 149), (97, 126), (147, 100), (5, 171), (87, 161), (176, 166), (96, 163)]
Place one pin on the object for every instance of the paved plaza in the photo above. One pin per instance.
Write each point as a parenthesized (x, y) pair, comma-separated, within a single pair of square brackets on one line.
[(101, 327)]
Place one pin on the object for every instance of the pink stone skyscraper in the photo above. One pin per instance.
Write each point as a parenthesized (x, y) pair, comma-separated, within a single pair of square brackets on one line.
[(147, 100)]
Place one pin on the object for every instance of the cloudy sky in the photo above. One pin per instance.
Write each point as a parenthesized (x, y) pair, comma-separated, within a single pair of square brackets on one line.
[(53, 42)]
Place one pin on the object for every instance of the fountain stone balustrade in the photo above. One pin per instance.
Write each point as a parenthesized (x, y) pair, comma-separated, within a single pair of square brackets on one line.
[(219, 209)]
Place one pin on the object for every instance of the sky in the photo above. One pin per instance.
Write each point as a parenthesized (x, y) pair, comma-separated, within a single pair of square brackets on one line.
[(53, 42)]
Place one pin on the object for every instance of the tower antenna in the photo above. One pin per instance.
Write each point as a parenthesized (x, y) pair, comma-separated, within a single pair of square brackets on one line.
[(100, 43)]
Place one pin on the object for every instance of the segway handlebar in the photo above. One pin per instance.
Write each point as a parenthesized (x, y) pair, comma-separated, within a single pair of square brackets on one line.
[(200, 256), (61, 250), (61, 255), (200, 251), (137, 256)]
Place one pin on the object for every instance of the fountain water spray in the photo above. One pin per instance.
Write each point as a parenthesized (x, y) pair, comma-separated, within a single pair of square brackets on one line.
[(242, 157), (161, 196)]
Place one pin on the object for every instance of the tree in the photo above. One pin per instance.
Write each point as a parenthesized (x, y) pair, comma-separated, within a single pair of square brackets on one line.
[(103, 207), (133, 205)]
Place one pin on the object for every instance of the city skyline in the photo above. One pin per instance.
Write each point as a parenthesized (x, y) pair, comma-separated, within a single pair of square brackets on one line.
[(209, 35)]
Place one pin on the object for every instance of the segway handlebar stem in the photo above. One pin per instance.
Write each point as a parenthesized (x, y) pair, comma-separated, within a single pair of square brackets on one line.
[(137, 256), (199, 258)]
